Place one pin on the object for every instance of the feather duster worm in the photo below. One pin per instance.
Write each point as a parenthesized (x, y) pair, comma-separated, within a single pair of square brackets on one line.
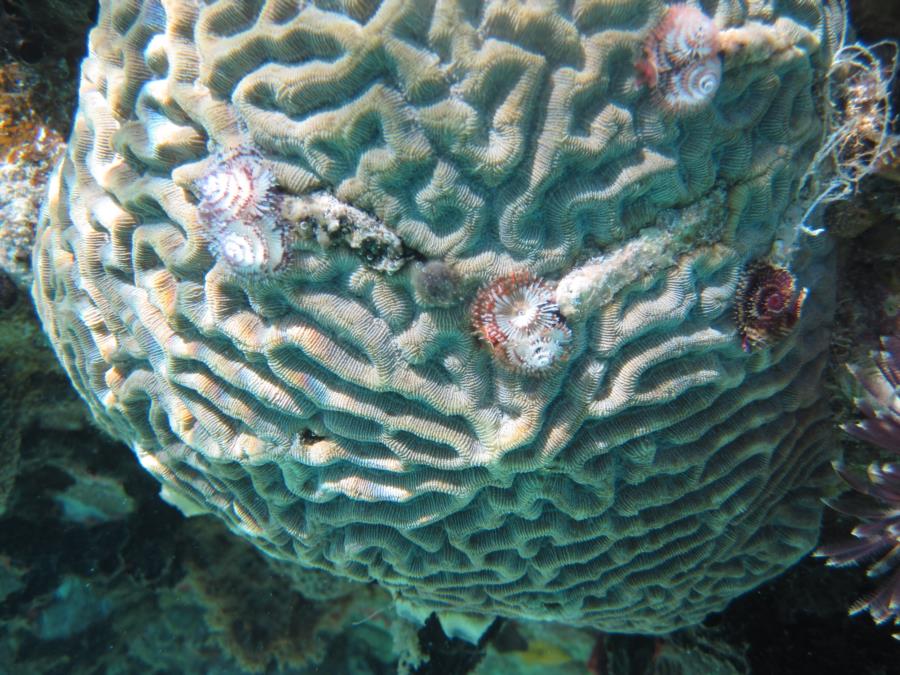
[(876, 539), (518, 317), (767, 304), (681, 61), (235, 204), (880, 401), (877, 536)]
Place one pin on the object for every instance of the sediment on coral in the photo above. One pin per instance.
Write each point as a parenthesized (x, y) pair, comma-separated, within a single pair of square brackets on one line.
[(675, 233)]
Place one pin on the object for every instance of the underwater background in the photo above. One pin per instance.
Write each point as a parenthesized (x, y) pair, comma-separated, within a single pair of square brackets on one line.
[(99, 575)]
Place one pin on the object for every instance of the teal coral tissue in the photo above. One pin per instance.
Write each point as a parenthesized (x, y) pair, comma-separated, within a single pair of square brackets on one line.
[(309, 368)]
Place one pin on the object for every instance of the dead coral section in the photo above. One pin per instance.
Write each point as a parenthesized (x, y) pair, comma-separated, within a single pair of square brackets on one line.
[(31, 141), (320, 220)]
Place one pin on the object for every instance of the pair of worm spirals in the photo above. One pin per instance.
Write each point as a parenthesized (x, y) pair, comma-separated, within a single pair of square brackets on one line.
[(681, 58), (518, 317), (236, 211)]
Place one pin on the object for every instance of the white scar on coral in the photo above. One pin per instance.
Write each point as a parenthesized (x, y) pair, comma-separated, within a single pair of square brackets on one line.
[(675, 233)]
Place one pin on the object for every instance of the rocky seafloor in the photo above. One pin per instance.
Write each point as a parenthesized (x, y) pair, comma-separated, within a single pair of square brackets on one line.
[(98, 575)]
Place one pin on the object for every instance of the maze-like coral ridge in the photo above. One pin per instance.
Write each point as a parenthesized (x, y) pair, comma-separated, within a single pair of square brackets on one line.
[(334, 419)]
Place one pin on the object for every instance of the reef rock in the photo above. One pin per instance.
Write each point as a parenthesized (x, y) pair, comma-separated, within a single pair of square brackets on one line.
[(230, 263)]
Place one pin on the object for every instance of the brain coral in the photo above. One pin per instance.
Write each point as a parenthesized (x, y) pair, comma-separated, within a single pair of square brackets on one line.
[(336, 415)]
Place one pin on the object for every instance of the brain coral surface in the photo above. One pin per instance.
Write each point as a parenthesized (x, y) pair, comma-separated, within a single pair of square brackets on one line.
[(321, 386)]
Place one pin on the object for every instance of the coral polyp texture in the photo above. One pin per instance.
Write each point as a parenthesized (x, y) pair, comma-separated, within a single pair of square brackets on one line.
[(880, 400), (610, 457)]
